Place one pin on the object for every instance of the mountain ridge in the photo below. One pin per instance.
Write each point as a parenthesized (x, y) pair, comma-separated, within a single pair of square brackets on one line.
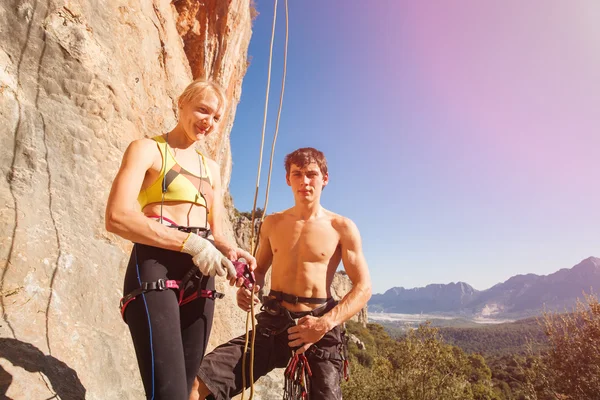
[(520, 295)]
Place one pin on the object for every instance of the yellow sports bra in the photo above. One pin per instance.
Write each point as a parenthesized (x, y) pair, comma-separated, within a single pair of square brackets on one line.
[(180, 184)]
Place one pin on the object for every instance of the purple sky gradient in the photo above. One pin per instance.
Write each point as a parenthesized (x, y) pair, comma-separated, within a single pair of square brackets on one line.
[(463, 137)]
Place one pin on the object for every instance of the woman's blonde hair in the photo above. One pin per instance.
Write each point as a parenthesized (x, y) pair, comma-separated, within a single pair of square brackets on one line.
[(196, 89)]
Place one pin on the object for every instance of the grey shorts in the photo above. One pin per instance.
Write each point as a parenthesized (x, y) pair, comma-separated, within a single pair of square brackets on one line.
[(221, 370)]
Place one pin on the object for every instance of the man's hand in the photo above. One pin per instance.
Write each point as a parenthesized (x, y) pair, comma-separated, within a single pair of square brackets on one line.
[(308, 332), (244, 298), (209, 260)]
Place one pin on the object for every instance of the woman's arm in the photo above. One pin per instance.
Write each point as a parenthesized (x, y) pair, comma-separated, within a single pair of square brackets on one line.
[(123, 215)]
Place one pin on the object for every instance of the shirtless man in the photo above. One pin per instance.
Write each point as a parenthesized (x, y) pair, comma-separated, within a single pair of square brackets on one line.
[(304, 245)]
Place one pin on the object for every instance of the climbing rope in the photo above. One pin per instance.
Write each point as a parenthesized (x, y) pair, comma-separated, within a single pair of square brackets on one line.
[(253, 240)]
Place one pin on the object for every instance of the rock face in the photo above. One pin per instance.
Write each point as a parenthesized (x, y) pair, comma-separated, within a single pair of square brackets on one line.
[(242, 230), (79, 80)]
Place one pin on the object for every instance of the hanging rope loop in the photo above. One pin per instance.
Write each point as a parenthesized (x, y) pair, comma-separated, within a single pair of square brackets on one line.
[(253, 240)]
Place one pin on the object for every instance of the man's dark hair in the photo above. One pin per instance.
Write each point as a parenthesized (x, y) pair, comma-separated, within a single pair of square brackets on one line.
[(304, 156)]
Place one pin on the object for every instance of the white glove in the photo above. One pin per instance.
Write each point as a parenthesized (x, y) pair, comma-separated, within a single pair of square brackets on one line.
[(209, 260)]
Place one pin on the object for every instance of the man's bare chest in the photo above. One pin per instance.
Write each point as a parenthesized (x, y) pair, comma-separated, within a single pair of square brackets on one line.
[(305, 241)]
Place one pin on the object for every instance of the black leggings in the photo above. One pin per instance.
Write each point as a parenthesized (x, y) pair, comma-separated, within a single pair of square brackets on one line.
[(170, 341)]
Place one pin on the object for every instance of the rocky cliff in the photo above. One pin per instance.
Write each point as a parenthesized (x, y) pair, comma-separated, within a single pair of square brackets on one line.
[(79, 80)]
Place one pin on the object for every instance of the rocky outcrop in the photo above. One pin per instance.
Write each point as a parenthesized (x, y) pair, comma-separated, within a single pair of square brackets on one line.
[(359, 343), (216, 35), (242, 230), (79, 80)]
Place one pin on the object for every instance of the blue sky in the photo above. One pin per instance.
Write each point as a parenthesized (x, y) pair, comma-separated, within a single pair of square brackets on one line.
[(463, 140)]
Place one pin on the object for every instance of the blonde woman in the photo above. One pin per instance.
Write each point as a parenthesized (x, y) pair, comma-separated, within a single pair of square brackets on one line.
[(166, 199)]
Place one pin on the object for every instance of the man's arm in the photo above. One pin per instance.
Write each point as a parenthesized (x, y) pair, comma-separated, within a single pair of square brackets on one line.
[(358, 272), (264, 253)]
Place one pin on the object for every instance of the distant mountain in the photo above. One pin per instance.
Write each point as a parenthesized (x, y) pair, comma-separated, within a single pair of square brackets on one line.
[(519, 296), (435, 297)]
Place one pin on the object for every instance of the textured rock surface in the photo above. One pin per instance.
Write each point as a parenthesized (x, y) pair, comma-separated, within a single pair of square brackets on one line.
[(359, 343), (80, 79), (242, 231)]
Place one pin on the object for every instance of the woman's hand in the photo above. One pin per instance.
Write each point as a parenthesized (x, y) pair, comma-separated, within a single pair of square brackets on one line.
[(227, 250), (234, 254), (209, 260)]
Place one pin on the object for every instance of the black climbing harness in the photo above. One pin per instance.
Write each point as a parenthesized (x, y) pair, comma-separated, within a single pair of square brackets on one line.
[(298, 373)]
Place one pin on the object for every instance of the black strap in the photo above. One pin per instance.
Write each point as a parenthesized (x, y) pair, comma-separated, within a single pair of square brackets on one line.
[(144, 288), (325, 354), (292, 299), (161, 285), (338, 352), (200, 231), (217, 295), (193, 272)]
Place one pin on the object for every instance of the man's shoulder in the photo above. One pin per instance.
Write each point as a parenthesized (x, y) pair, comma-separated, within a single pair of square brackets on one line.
[(272, 219), (338, 220), (274, 216), (343, 225)]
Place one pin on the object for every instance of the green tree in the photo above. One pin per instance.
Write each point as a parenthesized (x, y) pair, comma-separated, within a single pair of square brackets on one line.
[(570, 369), (480, 377), (419, 366)]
